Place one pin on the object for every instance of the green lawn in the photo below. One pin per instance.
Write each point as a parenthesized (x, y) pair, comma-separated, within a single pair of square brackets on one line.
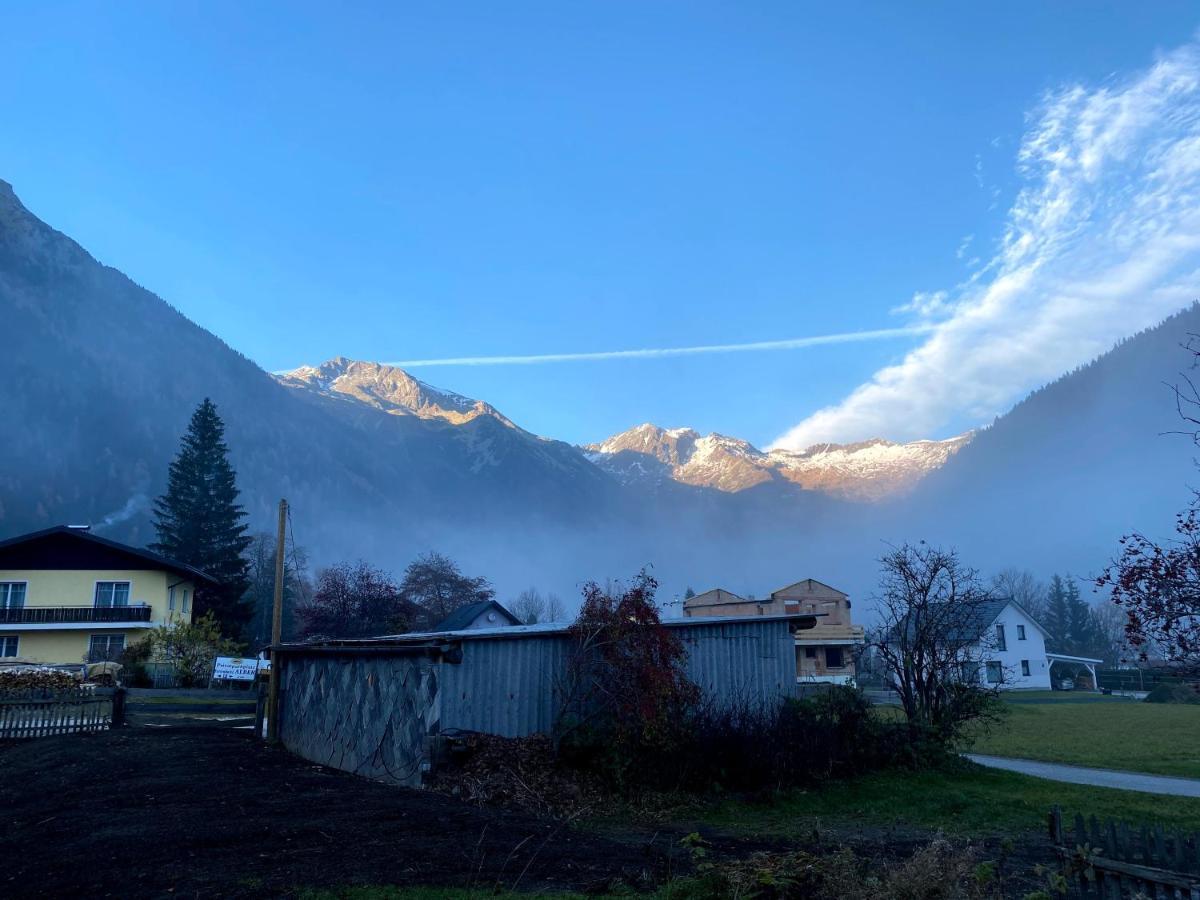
[(1107, 733), (969, 801)]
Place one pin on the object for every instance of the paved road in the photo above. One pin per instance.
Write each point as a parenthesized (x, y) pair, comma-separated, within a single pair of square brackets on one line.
[(1109, 778)]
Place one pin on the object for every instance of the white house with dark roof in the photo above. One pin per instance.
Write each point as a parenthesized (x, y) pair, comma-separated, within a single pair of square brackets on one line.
[(1012, 648), (1007, 649)]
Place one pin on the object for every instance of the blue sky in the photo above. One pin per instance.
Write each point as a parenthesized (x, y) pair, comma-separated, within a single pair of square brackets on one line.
[(399, 182)]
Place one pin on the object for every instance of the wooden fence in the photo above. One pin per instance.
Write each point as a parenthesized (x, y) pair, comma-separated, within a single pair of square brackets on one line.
[(1113, 860), (42, 713)]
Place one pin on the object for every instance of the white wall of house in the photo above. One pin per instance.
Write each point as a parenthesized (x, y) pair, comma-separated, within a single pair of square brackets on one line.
[(1024, 645)]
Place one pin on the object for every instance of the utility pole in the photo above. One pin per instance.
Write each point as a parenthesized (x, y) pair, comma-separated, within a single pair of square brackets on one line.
[(276, 631)]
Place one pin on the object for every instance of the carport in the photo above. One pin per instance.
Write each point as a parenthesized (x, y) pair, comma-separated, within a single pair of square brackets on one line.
[(1075, 663)]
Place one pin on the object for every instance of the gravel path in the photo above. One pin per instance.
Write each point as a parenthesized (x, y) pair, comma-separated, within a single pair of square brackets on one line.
[(1109, 778)]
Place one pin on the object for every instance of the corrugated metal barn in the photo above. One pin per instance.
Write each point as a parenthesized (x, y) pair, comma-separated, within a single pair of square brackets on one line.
[(372, 707)]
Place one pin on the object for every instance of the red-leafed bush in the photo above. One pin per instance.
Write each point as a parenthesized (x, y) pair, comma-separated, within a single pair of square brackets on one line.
[(627, 690), (1158, 588)]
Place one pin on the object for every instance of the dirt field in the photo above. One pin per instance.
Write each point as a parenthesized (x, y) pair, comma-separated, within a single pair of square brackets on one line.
[(210, 812)]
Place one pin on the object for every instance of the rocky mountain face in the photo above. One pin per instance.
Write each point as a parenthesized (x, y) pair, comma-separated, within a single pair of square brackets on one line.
[(102, 376), (866, 471), (387, 388)]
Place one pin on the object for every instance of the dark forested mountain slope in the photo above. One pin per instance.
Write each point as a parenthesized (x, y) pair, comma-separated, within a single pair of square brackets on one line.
[(1054, 482), (102, 375)]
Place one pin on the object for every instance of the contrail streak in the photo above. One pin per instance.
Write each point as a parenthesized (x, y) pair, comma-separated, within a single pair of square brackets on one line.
[(847, 337)]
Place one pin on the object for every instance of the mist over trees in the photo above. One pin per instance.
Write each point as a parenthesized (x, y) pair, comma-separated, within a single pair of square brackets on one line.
[(533, 607), (434, 587), (260, 595), (1157, 585), (361, 482), (355, 600)]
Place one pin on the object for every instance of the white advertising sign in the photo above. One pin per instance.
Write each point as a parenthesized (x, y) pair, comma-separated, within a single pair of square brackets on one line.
[(236, 668)]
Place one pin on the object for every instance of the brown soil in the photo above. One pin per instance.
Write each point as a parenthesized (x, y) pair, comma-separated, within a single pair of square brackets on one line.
[(199, 811)]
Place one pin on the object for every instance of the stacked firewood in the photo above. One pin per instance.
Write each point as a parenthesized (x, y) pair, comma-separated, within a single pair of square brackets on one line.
[(28, 678)]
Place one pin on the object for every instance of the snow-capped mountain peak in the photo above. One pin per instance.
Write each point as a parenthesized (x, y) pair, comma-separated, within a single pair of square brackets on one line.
[(388, 388), (869, 470)]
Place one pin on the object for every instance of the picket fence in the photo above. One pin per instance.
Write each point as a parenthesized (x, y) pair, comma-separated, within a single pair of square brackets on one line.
[(1114, 860), (42, 713)]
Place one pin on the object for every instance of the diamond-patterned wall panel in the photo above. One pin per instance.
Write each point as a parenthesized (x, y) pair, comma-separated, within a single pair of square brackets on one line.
[(369, 715)]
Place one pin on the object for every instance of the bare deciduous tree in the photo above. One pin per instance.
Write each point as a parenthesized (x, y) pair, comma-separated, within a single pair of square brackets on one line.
[(933, 612), (436, 587), (260, 595), (532, 607), (1111, 622), (555, 611), (1024, 588)]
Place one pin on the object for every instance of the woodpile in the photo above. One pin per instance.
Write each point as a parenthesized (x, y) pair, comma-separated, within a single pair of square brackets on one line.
[(35, 678)]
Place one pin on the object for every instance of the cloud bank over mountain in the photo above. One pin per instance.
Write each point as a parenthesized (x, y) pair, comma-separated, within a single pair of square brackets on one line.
[(1103, 239)]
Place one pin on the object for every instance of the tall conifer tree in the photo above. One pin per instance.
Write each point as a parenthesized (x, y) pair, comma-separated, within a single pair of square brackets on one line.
[(1057, 621), (1086, 639), (200, 522)]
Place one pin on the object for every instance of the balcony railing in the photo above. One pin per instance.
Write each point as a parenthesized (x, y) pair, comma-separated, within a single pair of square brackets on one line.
[(72, 615)]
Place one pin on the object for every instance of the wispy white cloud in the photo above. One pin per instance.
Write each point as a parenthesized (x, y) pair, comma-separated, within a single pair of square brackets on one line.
[(845, 337), (1103, 239)]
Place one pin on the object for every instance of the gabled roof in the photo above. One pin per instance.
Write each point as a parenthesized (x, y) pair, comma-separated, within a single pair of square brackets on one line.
[(980, 617), (808, 584), (462, 617), (65, 547), (715, 597)]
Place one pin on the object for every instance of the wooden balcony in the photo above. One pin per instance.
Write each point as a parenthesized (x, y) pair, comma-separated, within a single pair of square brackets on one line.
[(73, 615)]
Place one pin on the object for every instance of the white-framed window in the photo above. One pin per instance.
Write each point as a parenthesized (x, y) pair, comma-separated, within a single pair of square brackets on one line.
[(9, 644), (1020, 632), (112, 593), (995, 671), (1001, 640), (1025, 667), (105, 647), (187, 603), (12, 595), (171, 598)]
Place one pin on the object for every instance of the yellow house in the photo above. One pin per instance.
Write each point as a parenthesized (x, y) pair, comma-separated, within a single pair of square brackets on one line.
[(69, 596), (824, 653)]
